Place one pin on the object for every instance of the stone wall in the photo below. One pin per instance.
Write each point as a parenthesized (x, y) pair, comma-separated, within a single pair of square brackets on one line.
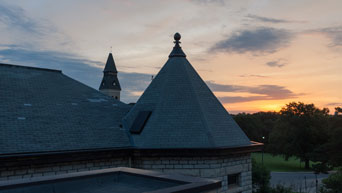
[(9, 173), (206, 167)]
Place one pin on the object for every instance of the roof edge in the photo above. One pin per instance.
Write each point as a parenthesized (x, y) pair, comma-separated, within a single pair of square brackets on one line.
[(30, 67)]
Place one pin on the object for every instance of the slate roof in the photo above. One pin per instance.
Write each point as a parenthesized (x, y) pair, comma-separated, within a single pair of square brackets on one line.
[(43, 110), (185, 113)]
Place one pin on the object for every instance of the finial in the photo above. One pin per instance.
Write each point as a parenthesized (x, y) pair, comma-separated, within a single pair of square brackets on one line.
[(111, 49), (177, 36), (177, 50)]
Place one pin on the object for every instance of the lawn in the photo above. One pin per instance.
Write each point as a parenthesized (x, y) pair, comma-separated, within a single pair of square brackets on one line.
[(279, 164)]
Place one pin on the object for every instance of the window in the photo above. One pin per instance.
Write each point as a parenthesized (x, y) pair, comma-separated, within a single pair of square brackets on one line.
[(140, 121), (233, 180), (114, 83)]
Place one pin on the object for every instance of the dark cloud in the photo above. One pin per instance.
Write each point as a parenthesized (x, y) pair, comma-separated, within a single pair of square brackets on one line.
[(263, 92), (15, 18), (276, 63), (260, 40), (268, 19), (76, 67)]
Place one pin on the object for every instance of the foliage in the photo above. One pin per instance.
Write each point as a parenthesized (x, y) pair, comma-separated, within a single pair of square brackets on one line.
[(300, 132), (333, 184), (261, 180), (260, 177), (333, 147), (281, 189), (338, 110), (257, 125)]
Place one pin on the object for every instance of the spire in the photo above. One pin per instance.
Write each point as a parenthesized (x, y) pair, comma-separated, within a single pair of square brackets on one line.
[(177, 50), (110, 83), (110, 65)]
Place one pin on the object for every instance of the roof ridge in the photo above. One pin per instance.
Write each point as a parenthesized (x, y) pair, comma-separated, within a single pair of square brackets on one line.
[(204, 118), (30, 67)]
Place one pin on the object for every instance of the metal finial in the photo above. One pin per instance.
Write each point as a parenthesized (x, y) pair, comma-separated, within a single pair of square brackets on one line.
[(177, 50), (111, 49), (177, 37)]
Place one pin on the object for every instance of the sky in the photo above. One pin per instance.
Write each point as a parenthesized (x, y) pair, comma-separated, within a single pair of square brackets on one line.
[(255, 55)]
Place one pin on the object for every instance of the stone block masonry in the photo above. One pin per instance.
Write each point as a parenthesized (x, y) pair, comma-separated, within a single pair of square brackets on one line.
[(206, 167)]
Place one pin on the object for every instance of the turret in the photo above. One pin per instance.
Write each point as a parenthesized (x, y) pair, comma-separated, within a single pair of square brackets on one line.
[(110, 83)]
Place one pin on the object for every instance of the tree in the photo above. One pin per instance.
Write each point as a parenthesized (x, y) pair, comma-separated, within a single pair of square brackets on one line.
[(260, 178), (333, 146), (300, 131), (257, 125), (333, 184), (338, 110)]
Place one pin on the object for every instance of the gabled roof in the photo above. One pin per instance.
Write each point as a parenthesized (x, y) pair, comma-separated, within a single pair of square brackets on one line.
[(43, 110), (110, 64), (185, 113)]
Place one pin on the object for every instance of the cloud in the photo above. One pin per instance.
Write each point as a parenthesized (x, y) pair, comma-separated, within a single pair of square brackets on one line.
[(15, 18), (276, 63), (268, 19), (253, 76), (262, 92), (217, 2), (86, 71), (334, 104), (260, 40), (334, 33)]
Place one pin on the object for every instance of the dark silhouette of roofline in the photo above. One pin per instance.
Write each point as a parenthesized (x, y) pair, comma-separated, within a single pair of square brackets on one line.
[(30, 67)]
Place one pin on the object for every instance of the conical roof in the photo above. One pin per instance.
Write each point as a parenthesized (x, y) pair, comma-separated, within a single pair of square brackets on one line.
[(184, 111), (110, 64)]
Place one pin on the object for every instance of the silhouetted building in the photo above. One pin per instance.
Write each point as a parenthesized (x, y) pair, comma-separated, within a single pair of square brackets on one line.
[(176, 126), (110, 83)]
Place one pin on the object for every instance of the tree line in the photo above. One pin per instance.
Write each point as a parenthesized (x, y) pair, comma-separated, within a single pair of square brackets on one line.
[(301, 130)]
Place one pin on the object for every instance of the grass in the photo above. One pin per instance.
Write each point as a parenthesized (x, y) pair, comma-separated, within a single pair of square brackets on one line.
[(279, 164)]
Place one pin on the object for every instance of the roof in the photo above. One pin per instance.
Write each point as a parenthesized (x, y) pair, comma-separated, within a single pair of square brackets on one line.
[(43, 110), (185, 113), (110, 64), (110, 79)]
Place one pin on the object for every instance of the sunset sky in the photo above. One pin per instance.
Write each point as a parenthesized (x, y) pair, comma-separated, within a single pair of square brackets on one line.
[(256, 55)]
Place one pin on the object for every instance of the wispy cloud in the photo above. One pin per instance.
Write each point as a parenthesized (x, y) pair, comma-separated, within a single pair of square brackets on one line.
[(253, 76), (263, 92), (277, 63), (269, 19), (334, 33), (217, 2), (15, 18), (334, 104), (260, 40), (86, 71)]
